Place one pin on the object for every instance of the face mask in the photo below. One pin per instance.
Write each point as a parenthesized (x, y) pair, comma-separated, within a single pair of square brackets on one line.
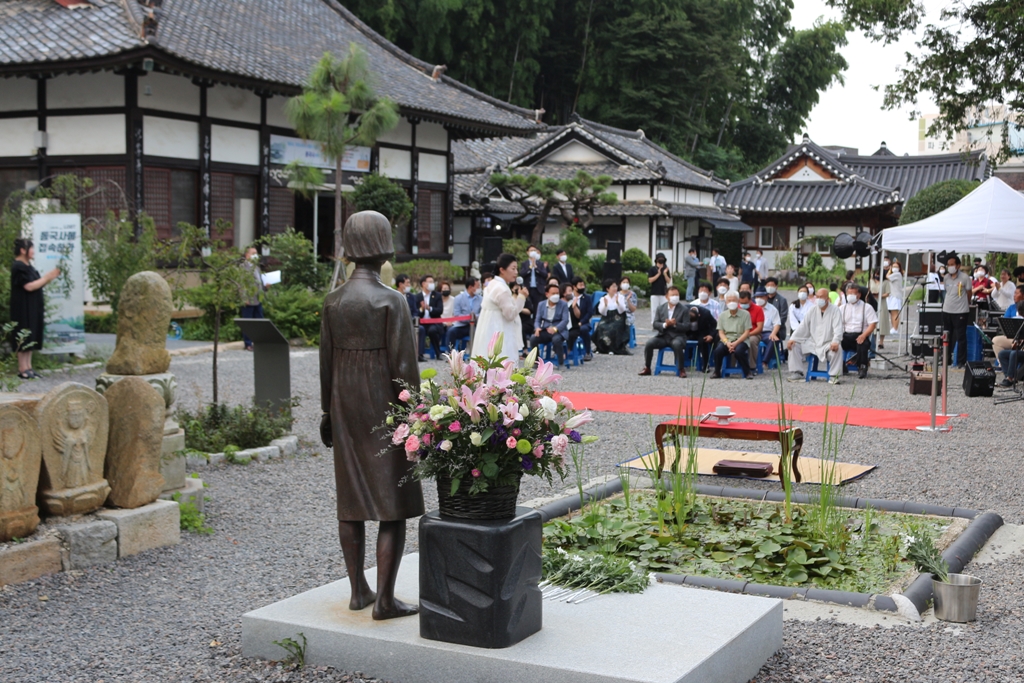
[(445, 292), (563, 258), (952, 270), (703, 296), (760, 302), (942, 271), (553, 298), (430, 286), (802, 296), (534, 255), (980, 274), (746, 259), (254, 257), (624, 286), (723, 290), (407, 289), (745, 306), (770, 290), (582, 290), (885, 264), (673, 299), (822, 303), (895, 269), (732, 305), (851, 298)]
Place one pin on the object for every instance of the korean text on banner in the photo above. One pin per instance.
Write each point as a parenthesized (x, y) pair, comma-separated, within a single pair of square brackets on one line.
[(58, 242)]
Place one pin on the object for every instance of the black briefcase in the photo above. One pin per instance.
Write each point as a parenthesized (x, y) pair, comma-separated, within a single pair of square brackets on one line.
[(979, 379)]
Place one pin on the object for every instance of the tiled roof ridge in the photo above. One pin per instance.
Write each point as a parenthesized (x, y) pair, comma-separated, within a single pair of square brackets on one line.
[(580, 129), (806, 148), (914, 160), (421, 65), (133, 10)]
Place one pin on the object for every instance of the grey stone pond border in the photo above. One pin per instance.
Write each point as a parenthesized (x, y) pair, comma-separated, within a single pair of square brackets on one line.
[(958, 554)]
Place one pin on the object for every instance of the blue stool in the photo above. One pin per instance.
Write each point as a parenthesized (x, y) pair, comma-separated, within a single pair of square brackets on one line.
[(547, 351), (632, 337), (730, 367), (847, 357), (578, 351), (766, 356), (661, 366), (691, 357), (812, 369)]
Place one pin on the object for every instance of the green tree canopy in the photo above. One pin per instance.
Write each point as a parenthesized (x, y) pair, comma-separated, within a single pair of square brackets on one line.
[(575, 198), (935, 198), (376, 193)]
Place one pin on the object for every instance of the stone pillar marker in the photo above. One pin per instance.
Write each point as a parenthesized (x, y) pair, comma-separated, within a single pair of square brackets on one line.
[(73, 424), (20, 461), (134, 447)]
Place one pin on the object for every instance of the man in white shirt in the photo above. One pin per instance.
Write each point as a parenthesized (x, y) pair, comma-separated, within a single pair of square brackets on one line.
[(820, 334), (859, 322), (761, 267)]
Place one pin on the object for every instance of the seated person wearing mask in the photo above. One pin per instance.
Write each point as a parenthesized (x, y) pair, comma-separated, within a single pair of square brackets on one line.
[(771, 331), (705, 333), (706, 301), (672, 326), (771, 286), (734, 329), (820, 335), (1002, 345), (551, 324), (430, 305), (466, 303), (403, 283), (859, 322), (582, 307)]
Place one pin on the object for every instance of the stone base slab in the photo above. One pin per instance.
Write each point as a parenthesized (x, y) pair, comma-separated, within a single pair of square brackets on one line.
[(192, 492), (701, 637), (76, 501), (90, 543), (18, 523), (30, 560), (151, 526)]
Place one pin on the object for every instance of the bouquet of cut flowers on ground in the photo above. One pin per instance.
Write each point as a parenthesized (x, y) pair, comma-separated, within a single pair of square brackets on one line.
[(489, 424)]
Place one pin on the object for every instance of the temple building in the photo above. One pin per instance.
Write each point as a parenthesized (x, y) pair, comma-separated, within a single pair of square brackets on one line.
[(177, 108)]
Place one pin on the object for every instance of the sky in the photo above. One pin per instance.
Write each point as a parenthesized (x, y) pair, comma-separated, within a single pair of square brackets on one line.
[(851, 115)]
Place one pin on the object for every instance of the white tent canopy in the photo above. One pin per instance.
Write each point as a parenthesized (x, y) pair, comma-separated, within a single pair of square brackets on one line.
[(990, 218)]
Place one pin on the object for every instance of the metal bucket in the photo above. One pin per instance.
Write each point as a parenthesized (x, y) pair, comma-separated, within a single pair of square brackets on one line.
[(957, 600)]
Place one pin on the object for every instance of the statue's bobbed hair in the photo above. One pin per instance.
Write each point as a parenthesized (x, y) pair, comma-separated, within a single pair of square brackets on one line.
[(368, 238)]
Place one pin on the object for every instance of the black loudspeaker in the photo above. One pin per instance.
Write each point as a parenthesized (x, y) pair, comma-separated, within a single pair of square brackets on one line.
[(613, 261), (492, 249), (930, 322), (843, 246), (979, 379)]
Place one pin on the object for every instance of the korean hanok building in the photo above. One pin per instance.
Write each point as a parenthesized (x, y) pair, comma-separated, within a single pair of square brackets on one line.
[(665, 204), (813, 190), (181, 104)]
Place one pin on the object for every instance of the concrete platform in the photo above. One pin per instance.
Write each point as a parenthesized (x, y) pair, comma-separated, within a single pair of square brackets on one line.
[(669, 634)]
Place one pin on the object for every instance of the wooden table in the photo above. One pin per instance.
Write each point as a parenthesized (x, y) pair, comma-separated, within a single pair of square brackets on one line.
[(743, 431)]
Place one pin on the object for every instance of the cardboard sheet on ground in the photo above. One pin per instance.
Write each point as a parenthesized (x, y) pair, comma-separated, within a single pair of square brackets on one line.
[(810, 468)]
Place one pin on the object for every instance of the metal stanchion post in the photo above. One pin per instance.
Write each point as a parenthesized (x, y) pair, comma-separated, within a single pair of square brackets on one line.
[(945, 374), (935, 390)]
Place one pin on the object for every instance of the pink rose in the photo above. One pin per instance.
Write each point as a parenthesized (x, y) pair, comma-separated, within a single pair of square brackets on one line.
[(475, 472), (412, 456), (538, 451), (421, 406), (425, 440), (400, 434), (511, 442), (559, 444), (404, 395), (455, 427), (412, 444)]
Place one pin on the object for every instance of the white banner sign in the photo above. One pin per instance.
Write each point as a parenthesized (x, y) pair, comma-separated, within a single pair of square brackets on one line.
[(58, 242), (284, 150)]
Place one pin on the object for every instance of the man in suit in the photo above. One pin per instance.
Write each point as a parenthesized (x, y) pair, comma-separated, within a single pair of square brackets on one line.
[(582, 308), (551, 323), (534, 274), (562, 268), (672, 324), (403, 283), (705, 330), (430, 305)]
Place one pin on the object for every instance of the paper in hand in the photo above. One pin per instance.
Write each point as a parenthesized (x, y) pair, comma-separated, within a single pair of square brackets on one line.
[(271, 278)]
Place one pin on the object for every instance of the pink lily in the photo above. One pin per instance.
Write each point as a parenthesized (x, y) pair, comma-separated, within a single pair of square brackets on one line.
[(510, 413), (500, 377), (544, 376), (579, 420), (495, 345), (471, 400)]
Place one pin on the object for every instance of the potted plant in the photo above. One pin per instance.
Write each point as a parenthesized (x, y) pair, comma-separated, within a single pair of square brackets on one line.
[(956, 595), (480, 431)]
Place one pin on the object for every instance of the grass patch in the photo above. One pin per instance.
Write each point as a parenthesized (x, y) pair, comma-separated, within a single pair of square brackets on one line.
[(753, 541), (216, 427), (191, 518)]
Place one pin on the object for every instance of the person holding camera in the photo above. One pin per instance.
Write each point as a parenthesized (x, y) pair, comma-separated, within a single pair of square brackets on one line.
[(659, 277)]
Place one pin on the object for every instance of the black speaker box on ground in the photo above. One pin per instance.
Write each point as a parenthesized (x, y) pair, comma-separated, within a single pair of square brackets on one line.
[(979, 379), (613, 261), (492, 249), (930, 322)]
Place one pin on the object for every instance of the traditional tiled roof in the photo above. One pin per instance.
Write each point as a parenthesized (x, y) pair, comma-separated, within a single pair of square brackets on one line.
[(694, 211), (273, 41), (630, 209), (859, 182)]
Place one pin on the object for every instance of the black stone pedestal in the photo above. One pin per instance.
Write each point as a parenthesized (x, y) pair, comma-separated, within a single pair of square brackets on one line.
[(478, 579)]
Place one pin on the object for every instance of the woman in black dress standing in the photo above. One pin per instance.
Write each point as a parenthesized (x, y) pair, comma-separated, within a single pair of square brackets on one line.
[(27, 306)]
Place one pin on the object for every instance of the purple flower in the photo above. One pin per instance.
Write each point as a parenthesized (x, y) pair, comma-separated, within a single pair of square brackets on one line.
[(548, 437), (527, 464), (575, 436)]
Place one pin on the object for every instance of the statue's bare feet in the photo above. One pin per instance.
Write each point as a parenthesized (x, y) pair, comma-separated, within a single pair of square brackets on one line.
[(362, 598), (396, 609)]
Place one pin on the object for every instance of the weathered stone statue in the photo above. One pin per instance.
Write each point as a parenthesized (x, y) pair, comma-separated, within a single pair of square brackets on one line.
[(143, 317), (73, 425), (134, 448), (366, 344), (20, 460)]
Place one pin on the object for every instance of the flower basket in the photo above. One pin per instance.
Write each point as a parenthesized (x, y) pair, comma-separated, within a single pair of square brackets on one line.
[(498, 502)]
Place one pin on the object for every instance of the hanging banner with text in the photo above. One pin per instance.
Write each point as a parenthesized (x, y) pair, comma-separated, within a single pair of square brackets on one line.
[(284, 150), (58, 243)]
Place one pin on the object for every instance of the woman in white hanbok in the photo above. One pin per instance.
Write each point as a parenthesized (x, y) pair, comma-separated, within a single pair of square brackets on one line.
[(499, 312)]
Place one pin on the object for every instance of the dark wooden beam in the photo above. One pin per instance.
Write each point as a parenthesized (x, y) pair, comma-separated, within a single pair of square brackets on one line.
[(205, 177)]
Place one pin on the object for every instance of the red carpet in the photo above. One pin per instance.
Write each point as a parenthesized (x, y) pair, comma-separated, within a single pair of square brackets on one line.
[(749, 410)]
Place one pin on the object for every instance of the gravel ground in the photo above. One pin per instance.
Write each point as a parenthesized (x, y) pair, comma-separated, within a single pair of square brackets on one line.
[(173, 614)]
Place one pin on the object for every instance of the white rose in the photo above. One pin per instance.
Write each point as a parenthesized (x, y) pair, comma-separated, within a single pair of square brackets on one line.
[(425, 387), (548, 406), (524, 411), (446, 445), (439, 411), (475, 439)]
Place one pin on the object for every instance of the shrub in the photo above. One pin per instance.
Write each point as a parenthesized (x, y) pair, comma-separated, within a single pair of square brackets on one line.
[(299, 267), (295, 311), (440, 270), (201, 329), (101, 323), (596, 267), (635, 260), (113, 253), (935, 198), (516, 247), (215, 427), (376, 193)]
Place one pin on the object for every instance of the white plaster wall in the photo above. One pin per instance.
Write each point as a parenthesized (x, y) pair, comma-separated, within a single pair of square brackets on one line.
[(618, 190), (275, 112), (97, 134), (233, 104), (17, 94), (637, 233), (462, 231), (103, 89), (401, 134), (170, 138), (707, 199), (431, 136), (235, 145), (638, 193), (575, 152), (433, 167), (395, 163), (17, 137), (169, 93)]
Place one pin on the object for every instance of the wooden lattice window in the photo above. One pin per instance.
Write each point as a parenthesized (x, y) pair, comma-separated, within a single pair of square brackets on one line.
[(282, 209), (433, 206)]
